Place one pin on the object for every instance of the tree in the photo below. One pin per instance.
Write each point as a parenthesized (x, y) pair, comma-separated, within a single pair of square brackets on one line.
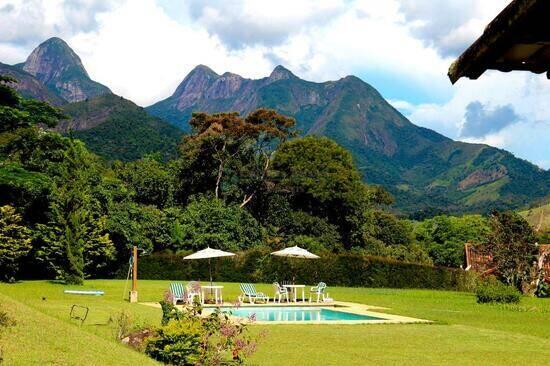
[(211, 222), (511, 243), (50, 177), (318, 177), (27, 190), (317, 171), (146, 226), (37, 150), (388, 229), (73, 228), (8, 95), (299, 223), (230, 154), (16, 112), (15, 242), (150, 180), (443, 237), (385, 235), (96, 251)]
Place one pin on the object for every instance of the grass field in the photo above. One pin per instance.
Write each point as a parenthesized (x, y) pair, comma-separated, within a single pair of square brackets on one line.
[(538, 217), (463, 331)]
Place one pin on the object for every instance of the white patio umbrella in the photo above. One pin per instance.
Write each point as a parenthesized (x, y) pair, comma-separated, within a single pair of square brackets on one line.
[(295, 252), (209, 253)]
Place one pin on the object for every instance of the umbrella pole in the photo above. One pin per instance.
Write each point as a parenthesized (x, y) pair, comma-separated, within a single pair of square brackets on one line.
[(210, 269)]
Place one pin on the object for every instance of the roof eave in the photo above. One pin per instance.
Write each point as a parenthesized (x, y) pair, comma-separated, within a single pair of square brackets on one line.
[(473, 62)]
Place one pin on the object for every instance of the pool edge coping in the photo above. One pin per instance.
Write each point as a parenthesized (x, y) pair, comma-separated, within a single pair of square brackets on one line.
[(342, 306)]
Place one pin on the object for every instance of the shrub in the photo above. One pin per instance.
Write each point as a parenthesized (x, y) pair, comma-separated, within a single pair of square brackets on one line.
[(176, 343), (492, 291), (187, 338), (543, 289), (123, 324)]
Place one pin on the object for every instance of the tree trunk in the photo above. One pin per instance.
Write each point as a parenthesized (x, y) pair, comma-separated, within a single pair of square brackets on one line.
[(248, 198), (220, 172)]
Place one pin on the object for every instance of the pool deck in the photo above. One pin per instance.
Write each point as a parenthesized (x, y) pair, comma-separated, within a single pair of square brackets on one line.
[(348, 307)]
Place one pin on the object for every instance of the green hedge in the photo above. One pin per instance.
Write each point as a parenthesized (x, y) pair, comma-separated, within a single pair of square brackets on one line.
[(351, 270)]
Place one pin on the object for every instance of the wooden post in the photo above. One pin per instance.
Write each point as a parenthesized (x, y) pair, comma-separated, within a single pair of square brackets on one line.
[(134, 293)]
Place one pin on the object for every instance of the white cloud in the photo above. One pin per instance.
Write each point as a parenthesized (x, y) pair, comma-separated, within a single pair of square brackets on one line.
[(243, 23), (11, 54), (450, 25), (365, 38), (27, 22)]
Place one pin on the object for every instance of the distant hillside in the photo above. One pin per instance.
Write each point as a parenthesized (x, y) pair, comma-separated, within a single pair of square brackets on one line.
[(59, 68), (538, 217), (427, 172), (116, 128)]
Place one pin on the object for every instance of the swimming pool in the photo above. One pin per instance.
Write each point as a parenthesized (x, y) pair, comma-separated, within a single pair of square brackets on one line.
[(295, 314)]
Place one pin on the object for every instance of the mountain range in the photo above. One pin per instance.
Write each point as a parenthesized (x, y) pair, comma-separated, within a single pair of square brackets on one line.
[(426, 171), (423, 169)]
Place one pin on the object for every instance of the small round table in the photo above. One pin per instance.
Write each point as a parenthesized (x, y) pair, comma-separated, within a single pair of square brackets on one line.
[(217, 290), (294, 288)]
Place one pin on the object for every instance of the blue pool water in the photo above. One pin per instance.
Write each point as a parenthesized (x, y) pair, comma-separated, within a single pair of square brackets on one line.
[(295, 314)]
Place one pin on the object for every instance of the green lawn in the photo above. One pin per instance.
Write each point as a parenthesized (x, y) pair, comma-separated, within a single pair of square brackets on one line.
[(464, 332), (538, 216)]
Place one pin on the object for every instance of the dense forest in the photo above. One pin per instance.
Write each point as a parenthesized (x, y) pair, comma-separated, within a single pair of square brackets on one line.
[(237, 182)]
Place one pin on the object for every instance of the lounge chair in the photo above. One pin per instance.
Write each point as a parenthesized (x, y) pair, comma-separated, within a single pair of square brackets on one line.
[(248, 290), (177, 291), (193, 290), (318, 290), (280, 292)]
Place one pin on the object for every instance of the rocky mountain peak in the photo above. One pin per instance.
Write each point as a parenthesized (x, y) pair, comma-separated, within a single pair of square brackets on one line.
[(280, 72), (203, 71), (58, 67), (197, 81), (52, 58)]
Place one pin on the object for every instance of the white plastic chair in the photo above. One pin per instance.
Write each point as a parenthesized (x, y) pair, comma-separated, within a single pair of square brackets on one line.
[(318, 290), (192, 290), (280, 292)]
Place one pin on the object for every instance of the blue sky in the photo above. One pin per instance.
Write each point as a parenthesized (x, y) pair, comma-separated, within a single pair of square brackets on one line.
[(142, 49)]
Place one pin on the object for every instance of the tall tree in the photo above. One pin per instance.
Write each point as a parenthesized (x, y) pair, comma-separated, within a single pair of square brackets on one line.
[(15, 242), (232, 154), (73, 231), (512, 246), (319, 177)]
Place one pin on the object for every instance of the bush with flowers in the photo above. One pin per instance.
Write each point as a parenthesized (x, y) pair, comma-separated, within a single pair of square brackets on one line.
[(188, 337)]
